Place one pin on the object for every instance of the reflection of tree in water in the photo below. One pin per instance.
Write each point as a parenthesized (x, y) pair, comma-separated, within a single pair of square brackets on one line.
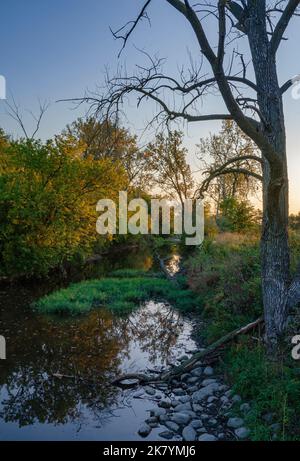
[(92, 346), (88, 347), (156, 326)]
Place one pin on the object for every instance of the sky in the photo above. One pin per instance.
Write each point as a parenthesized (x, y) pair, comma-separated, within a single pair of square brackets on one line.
[(59, 49)]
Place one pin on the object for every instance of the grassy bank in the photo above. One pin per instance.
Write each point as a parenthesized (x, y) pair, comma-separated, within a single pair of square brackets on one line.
[(116, 293), (225, 273)]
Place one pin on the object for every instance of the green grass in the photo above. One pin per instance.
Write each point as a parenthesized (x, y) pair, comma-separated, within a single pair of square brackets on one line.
[(271, 387), (118, 294)]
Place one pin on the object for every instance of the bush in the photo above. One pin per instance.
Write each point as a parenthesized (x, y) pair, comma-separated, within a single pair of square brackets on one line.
[(47, 204), (226, 275)]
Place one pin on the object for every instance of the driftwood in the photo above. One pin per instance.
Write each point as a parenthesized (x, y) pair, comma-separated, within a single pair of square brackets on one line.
[(188, 364)]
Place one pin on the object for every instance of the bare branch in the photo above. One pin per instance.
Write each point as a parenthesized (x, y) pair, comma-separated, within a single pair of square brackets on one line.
[(282, 24)]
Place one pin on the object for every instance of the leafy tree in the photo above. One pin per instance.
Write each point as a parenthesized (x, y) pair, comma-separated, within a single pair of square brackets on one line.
[(48, 198), (237, 216), (170, 170), (220, 149)]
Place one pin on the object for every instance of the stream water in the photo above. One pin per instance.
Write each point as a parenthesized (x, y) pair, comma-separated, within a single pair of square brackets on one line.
[(37, 405)]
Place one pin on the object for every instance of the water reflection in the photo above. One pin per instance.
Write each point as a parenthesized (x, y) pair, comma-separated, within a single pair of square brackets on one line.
[(90, 350)]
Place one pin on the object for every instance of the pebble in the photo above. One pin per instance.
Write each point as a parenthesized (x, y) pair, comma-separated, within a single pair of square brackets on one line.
[(166, 435), (165, 403), (207, 438), (183, 407), (144, 430), (245, 408), (150, 390), (208, 371), (197, 371), (242, 432), (178, 391), (181, 418), (196, 423), (189, 434), (235, 422), (172, 426)]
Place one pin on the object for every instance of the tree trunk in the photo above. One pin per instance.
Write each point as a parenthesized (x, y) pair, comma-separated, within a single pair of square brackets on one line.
[(274, 240)]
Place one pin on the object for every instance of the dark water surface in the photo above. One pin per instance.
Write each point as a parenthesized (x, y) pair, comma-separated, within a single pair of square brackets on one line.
[(89, 351)]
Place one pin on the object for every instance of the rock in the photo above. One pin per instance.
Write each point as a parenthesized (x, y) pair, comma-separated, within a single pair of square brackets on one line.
[(165, 403), (245, 408), (242, 432), (189, 434), (172, 426), (192, 380), (197, 371), (149, 390), (153, 425), (235, 422), (185, 376), (166, 435), (193, 389), (179, 391), (196, 423), (197, 408), (152, 419), (157, 412), (212, 422), (221, 436), (207, 382), (211, 399), (207, 438), (208, 371), (205, 392), (236, 398), (181, 418), (224, 399), (184, 399), (138, 394), (183, 407), (163, 418), (144, 430), (183, 358)]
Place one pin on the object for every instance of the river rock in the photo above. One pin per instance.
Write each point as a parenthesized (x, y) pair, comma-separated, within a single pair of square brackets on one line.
[(183, 407), (178, 391), (208, 371), (196, 423), (138, 394), (207, 438), (242, 432), (235, 422), (192, 380), (184, 399), (149, 390), (144, 430), (189, 434), (245, 408), (168, 435), (205, 392), (236, 398), (165, 403), (172, 426), (208, 381), (197, 371), (157, 412), (181, 418)]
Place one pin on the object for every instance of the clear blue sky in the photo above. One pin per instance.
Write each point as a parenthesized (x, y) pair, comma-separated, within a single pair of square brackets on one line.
[(54, 49)]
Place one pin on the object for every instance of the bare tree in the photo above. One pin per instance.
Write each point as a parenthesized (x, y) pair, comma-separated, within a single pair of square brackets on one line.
[(15, 113), (255, 105)]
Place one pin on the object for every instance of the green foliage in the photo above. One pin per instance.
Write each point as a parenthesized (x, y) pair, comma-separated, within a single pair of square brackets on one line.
[(271, 387), (47, 204), (226, 275), (237, 216), (122, 295)]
